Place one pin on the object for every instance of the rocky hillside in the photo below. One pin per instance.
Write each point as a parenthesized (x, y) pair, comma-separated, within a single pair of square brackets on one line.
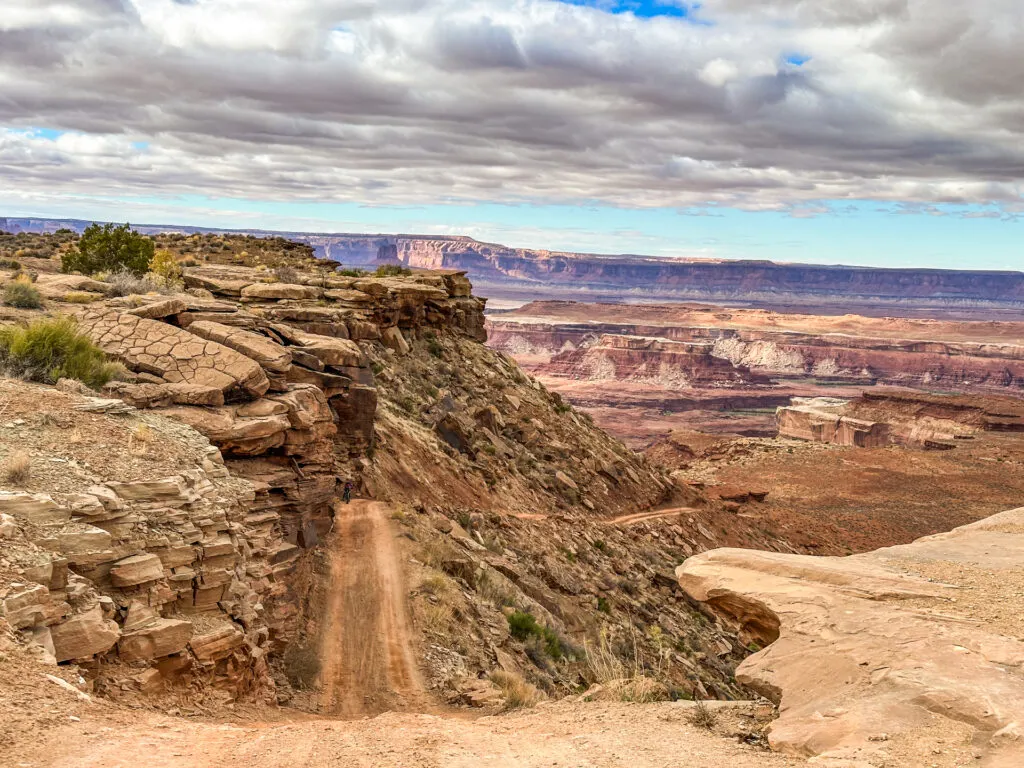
[(256, 394)]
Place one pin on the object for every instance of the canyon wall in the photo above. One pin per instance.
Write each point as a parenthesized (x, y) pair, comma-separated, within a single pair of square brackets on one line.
[(499, 270)]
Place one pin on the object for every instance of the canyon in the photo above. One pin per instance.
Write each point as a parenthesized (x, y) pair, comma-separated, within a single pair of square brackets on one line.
[(180, 576), (617, 359)]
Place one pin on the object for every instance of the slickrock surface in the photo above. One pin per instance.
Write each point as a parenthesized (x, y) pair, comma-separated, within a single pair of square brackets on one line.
[(910, 655)]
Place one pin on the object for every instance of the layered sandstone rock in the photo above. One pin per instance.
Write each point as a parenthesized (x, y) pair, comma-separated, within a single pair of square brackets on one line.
[(871, 656), (849, 348), (668, 364), (893, 416)]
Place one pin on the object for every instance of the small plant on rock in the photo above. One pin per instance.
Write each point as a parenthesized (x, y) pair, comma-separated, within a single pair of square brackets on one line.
[(392, 270)]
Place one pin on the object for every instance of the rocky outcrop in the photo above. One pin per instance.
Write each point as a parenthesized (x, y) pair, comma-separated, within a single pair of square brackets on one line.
[(872, 655), (667, 364), (821, 420), (900, 417)]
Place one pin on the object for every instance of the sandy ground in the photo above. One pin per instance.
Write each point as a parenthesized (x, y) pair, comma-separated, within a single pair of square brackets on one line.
[(367, 647), (568, 734)]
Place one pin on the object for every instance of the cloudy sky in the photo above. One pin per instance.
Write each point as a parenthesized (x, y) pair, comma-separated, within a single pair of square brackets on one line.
[(883, 132)]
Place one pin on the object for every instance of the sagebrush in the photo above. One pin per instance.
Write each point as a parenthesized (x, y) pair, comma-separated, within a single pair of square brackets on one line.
[(50, 349), (21, 294)]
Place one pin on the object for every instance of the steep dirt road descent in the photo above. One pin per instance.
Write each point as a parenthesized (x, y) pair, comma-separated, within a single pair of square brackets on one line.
[(368, 661), (652, 514)]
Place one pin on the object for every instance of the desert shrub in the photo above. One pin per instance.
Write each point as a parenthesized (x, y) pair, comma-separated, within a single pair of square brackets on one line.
[(10, 264), (167, 269), (392, 270), (524, 627), (80, 297), (434, 552), (18, 469), (517, 692), (436, 584), (109, 248), (702, 716), (286, 274), (352, 272), (49, 349), (22, 295), (126, 283), (434, 617)]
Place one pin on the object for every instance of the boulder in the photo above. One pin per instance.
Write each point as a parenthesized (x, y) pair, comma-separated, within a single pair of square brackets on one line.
[(172, 353), (216, 285), (392, 338), (26, 605), (277, 291), (83, 539), (902, 643), (35, 508), (137, 569), (330, 350), (84, 635), (162, 395), (159, 638), (267, 353), (217, 644), (159, 309), (565, 481)]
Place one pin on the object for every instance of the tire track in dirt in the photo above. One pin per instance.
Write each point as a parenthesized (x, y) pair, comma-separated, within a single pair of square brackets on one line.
[(368, 662)]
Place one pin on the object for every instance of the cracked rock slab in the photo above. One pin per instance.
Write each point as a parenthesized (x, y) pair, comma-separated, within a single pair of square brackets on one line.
[(173, 354)]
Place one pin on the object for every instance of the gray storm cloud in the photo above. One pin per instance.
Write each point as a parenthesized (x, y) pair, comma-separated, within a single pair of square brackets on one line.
[(403, 101)]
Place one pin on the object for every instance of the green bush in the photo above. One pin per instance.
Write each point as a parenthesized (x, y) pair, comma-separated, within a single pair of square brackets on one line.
[(49, 349), (109, 248), (392, 270), (352, 272), (10, 264), (22, 295), (523, 626)]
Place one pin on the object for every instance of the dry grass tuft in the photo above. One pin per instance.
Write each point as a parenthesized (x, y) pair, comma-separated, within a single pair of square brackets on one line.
[(18, 470), (436, 584), (517, 692), (702, 716), (434, 618)]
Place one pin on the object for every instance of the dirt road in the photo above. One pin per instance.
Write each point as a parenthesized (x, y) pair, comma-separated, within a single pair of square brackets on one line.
[(651, 514), (565, 734), (369, 665)]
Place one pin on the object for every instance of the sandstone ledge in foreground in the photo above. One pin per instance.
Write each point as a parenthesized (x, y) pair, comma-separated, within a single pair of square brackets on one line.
[(875, 656)]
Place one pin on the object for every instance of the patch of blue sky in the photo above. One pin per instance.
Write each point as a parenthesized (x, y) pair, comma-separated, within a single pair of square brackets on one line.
[(42, 133), (645, 9), (796, 59)]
